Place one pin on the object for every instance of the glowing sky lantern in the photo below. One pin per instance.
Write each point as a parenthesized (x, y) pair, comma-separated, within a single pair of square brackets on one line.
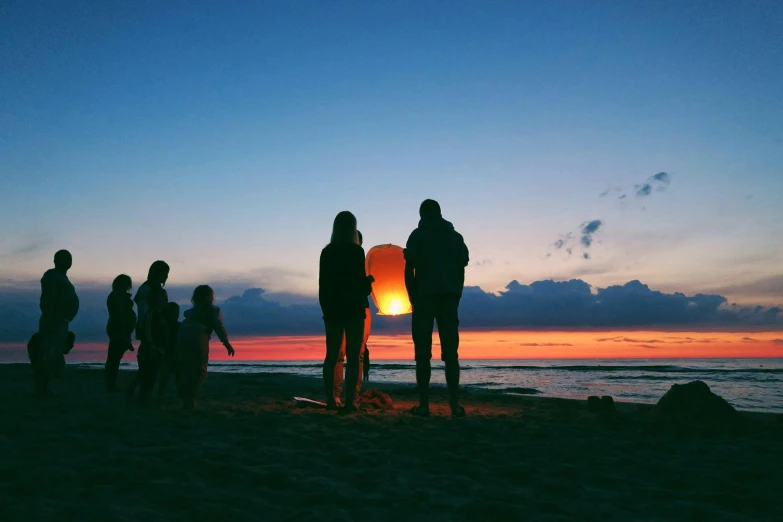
[(386, 263)]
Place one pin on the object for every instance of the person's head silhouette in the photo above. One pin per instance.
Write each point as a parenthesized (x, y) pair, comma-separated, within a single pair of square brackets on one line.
[(171, 312), (344, 228), (158, 272), (63, 260), (203, 295), (122, 283), (429, 209)]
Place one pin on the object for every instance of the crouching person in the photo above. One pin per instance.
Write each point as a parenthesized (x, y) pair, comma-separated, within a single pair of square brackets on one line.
[(193, 343)]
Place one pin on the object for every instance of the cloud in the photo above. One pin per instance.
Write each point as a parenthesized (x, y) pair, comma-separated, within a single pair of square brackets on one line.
[(634, 304), (588, 229), (771, 286), (547, 303), (27, 248), (662, 178), (545, 344), (643, 190), (656, 183)]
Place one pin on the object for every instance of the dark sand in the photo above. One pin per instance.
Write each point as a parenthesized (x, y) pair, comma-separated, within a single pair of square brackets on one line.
[(250, 453)]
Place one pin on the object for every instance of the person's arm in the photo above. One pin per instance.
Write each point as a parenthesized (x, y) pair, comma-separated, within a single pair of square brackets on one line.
[(72, 300), (322, 290), (411, 253), (464, 257), (220, 330), (48, 301), (361, 283), (463, 250)]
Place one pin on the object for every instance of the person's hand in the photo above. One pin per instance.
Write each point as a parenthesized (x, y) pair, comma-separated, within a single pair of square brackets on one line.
[(370, 279), (229, 349)]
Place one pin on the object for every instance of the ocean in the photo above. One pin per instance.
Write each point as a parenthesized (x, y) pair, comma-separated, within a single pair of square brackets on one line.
[(748, 384)]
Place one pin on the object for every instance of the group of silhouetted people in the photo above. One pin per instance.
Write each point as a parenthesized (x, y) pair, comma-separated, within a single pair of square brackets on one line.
[(167, 347), (435, 261)]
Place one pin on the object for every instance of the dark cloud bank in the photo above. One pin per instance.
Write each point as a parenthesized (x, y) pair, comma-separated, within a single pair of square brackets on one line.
[(542, 304)]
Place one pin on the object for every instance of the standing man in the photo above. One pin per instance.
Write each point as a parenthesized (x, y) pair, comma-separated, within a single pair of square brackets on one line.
[(59, 305), (435, 261)]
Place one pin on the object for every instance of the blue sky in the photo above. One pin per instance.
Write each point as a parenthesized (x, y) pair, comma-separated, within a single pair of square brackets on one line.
[(224, 137)]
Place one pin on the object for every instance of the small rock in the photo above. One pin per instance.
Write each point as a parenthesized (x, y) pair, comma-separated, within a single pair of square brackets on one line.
[(607, 404)]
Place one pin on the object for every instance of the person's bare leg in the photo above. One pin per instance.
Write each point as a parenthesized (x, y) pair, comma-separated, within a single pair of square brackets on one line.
[(339, 371), (334, 336), (354, 335)]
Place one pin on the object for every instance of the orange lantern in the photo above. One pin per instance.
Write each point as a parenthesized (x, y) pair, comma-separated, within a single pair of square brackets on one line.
[(386, 263)]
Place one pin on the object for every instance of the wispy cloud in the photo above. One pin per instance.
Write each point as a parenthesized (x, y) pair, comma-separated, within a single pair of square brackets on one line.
[(586, 231), (545, 344), (656, 183), (27, 248)]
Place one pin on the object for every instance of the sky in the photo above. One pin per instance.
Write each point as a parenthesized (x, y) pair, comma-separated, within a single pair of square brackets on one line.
[(605, 142)]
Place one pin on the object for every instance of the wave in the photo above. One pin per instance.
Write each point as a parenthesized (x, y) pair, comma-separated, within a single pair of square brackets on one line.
[(521, 391)]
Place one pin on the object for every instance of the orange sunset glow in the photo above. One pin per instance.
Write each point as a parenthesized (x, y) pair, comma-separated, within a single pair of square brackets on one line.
[(537, 345), (530, 345), (639, 344)]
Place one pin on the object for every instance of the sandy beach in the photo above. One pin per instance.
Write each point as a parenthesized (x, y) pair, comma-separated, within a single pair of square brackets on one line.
[(250, 453)]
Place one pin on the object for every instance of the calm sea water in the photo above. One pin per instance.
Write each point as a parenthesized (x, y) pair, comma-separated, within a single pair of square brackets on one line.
[(748, 384)]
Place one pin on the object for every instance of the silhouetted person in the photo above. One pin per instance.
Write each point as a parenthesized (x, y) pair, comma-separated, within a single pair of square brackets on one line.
[(119, 328), (435, 261), (338, 373), (155, 335), (193, 343), (366, 364), (59, 305), (157, 276), (343, 287), (168, 365)]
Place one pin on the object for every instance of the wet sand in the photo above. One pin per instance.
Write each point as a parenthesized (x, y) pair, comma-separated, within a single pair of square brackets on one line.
[(250, 453)]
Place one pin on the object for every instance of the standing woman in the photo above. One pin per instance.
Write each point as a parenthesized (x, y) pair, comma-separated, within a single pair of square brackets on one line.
[(364, 360), (122, 322), (193, 343), (343, 287), (147, 356)]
